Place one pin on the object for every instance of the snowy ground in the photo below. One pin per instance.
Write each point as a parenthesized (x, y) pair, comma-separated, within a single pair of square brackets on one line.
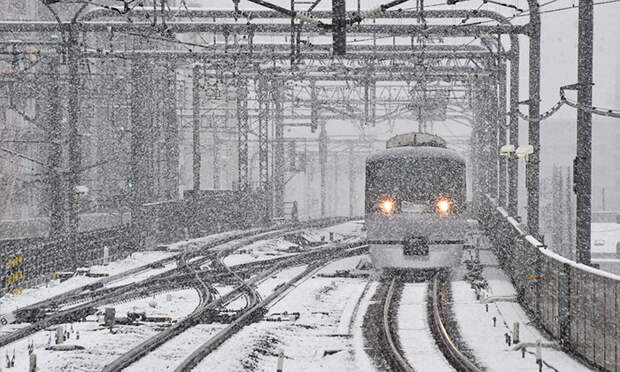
[(414, 332), (488, 342), (326, 337), (197, 243), (30, 296), (347, 229), (275, 248), (141, 276), (169, 356), (267, 286), (259, 251), (100, 345)]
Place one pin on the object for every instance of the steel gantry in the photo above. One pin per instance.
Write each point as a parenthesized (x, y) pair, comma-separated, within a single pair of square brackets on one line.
[(376, 81)]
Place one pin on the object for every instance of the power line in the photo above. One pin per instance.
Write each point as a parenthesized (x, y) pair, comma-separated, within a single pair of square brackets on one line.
[(527, 12)]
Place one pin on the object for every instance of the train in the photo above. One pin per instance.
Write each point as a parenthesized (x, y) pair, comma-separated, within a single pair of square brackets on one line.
[(415, 204)]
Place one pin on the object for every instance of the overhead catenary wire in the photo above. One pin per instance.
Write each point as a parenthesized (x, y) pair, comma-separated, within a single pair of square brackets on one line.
[(613, 113), (528, 11)]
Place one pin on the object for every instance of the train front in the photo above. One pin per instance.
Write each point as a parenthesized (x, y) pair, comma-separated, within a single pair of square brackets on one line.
[(415, 203)]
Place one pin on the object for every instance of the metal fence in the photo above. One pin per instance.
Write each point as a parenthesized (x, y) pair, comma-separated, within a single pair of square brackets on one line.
[(44, 256), (209, 212), (576, 304), (155, 223)]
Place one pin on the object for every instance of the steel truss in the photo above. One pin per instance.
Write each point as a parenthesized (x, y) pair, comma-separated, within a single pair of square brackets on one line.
[(373, 83)]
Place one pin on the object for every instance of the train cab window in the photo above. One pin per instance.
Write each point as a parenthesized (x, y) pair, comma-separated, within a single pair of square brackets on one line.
[(416, 180)]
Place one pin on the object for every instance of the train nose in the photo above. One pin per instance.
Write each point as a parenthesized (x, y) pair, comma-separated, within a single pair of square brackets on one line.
[(415, 246)]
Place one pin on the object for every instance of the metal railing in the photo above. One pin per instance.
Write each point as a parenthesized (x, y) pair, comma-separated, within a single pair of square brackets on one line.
[(576, 304), (155, 223), (42, 257)]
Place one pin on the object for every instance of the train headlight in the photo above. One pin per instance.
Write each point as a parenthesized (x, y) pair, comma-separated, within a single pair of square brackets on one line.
[(443, 206), (387, 206)]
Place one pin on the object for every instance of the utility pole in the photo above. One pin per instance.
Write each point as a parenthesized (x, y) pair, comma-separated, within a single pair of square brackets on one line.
[(339, 33), (263, 146), (491, 146), (171, 133), (513, 165), (502, 130), (532, 172), (73, 178), (569, 214), (278, 150), (216, 152), (335, 197), (54, 158), (323, 164), (583, 162), (196, 129), (351, 180), (242, 135)]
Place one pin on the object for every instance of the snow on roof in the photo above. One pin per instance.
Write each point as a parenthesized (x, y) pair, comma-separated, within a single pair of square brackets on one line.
[(415, 139), (415, 152)]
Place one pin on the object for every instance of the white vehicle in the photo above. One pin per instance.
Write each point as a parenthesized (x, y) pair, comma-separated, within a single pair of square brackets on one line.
[(415, 199)]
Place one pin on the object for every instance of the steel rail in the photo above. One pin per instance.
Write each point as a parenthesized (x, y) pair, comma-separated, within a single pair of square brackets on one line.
[(125, 292), (198, 314), (77, 294), (451, 351), (161, 338), (394, 355), (75, 313), (152, 343), (252, 312)]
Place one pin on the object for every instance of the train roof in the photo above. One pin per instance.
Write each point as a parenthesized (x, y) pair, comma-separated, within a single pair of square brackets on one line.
[(415, 152), (415, 139)]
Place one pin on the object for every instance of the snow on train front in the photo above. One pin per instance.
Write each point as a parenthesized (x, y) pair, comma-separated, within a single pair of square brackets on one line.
[(415, 204)]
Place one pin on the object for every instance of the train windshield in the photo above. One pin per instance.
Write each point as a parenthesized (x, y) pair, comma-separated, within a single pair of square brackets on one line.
[(419, 179)]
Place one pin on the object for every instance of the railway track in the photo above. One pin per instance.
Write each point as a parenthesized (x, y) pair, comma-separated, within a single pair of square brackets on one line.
[(252, 311), (257, 309), (442, 335), (172, 279), (389, 344), (82, 293), (393, 354)]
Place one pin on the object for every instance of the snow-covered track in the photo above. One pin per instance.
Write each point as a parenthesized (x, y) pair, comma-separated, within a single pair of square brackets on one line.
[(90, 300), (452, 353), (83, 293), (162, 337), (245, 287), (392, 353), (256, 310), (146, 288), (196, 317)]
